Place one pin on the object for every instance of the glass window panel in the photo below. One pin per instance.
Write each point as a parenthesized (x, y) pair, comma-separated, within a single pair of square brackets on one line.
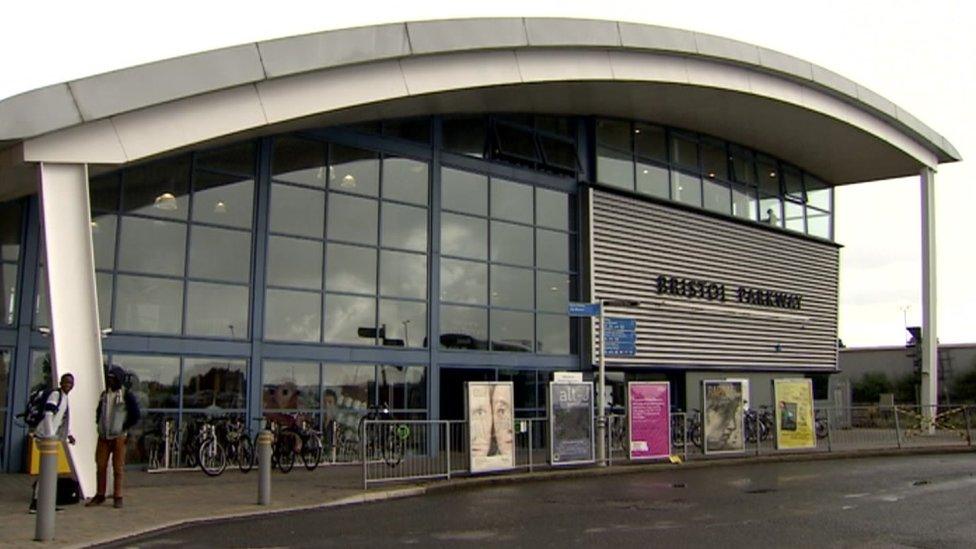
[(10, 221), (512, 331), (159, 189), (464, 327), (217, 310), (511, 201), (651, 142), (353, 388), (615, 168), (464, 236), (715, 164), (214, 383), (103, 192), (155, 379), (551, 209), (8, 292), (404, 227), (465, 135), (686, 188), (345, 315), (39, 376), (743, 165), (354, 171), (771, 211), (405, 180), (464, 281), (290, 385), (516, 141), (553, 250), (416, 380), (403, 274), (220, 254), (103, 240), (223, 200), (744, 203), (511, 287), (769, 175), (793, 183), (653, 180), (103, 288), (294, 262), (511, 243), (552, 291), (292, 316), (352, 219), (793, 217), (392, 386), (818, 223), (146, 304), (552, 334), (152, 246), (297, 211), (559, 153), (42, 312), (818, 194), (4, 378), (299, 161), (405, 321), (717, 196), (239, 158), (350, 269), (560, 125), (464, 191), (615, 134), (411, 129), (684, 152)]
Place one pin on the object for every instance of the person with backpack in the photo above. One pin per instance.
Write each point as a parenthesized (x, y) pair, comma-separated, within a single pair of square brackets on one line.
[(118, 410), (47, 414)]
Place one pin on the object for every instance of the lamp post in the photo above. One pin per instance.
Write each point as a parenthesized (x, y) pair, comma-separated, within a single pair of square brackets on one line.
[(601, 422)]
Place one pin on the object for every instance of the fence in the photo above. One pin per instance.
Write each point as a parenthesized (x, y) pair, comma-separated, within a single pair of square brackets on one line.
[(440, 449)]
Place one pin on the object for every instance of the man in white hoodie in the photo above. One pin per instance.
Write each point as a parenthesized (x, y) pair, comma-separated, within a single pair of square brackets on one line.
[(55, 422)]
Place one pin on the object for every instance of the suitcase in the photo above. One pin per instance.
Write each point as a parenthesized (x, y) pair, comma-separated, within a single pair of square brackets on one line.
[(69, 492)]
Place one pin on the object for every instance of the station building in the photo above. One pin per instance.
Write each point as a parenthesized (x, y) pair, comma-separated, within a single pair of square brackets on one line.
[(324, 222)]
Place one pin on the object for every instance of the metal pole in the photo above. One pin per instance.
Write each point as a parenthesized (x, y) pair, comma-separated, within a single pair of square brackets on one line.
[(530, 424), (601, 418), (362, 452), (47, 488), (684, 435), (447, 427), (894, 410), (264, 467), (758, 433), (930, 342), (830, 441), (969, 432)]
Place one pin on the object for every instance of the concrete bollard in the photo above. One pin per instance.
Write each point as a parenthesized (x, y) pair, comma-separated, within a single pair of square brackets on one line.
[(47, 489), (264, 467)]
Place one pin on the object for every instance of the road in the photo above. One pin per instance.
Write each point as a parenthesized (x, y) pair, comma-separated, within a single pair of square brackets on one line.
[(912, 501)]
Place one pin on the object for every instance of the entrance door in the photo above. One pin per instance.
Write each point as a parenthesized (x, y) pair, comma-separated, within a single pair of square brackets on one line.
[(452, 388)]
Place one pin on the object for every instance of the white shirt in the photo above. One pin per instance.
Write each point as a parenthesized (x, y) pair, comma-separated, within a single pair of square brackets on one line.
[(53, 424)]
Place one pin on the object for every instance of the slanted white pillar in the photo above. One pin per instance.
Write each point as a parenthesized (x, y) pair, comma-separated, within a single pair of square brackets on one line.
[(930, 347), (76, 339)]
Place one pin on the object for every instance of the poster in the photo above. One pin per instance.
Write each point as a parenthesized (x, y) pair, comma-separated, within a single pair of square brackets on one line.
[(649, 414), (723, 406), (491, 426), (794, 414), (571, 422)]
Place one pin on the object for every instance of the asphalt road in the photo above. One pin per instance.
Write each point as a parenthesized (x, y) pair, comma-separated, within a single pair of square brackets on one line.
[(919, 501)]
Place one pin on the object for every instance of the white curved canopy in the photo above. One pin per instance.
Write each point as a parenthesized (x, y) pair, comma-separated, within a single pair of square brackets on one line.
[(760, 98)]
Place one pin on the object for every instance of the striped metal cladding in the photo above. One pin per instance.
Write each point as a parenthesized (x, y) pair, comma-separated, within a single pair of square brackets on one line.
[(633, 242)]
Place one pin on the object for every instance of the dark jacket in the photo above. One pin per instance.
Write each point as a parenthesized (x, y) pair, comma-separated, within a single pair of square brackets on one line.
[(122, 415)]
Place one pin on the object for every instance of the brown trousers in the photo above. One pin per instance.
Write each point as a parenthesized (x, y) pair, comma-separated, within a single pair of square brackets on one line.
[(115, 447)]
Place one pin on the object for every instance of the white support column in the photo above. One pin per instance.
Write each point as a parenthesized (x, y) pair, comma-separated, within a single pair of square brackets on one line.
[(76, 339), (930, 347)]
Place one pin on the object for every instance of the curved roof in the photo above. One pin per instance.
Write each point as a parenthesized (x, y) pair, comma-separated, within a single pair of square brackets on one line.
[(782, 105)]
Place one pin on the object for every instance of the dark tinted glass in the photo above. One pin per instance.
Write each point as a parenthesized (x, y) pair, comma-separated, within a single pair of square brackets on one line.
[(352, 219), (464, 191), (512, 331), (350, 269), (155, 379), (158, 190), (10, 221), (290, 385), (214, 382), (354, 170), (292, 316), (743, 165), (299, 161), (769, 176), (614, 134), (411, 129), (416, 380), (8, 291), (615, 168), (403, 274), (684, 152), (405, 180), (552, 209), (553, 250), (294, 262), (464, 236), (511, 201), (560, 125), (793, 183), (404, 227), (103, 192), (405, 321), (345, 315), (511, 243), (552, 334), (220, 254), (103, 240), (223, 200), (516, 141), (651, 142), (464, 281), (552, 291), (559, 153), (511, 287), (152, 246), (145, 304), (239, 159), (465, 135), (297, 211), (715, 164), (464, 327)]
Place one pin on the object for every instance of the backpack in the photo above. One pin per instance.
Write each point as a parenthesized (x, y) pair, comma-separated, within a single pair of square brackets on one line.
[(33, 414)]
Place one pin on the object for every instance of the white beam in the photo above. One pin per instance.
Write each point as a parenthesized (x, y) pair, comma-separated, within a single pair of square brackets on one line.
[(930, 347), (76, 340)]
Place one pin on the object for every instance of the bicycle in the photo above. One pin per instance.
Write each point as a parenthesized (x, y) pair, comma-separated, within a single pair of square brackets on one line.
[(821, 424), (310, 443), (211, 455), (387, 438), (694, 427)]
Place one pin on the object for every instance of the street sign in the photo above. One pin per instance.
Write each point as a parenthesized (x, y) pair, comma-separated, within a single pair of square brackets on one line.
[(620, 337), (584, 309)]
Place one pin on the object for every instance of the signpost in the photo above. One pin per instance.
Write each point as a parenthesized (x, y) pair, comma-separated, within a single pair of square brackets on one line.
[(621, 336)]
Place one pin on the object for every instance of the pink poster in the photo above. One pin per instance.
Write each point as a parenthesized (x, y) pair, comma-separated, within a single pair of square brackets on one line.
[(650, 419)]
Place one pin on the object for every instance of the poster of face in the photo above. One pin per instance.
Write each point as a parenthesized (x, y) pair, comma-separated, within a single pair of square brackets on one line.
[(571, 422), (794, 414), (723, 410), (649, 413), (491, 426)]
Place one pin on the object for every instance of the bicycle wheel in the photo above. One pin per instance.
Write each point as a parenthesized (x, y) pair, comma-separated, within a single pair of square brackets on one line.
[(394, 444), (212, 458), (312, 452), (286, 453), (245, 454)]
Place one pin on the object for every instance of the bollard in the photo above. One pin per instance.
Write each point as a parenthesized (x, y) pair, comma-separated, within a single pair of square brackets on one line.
[(47, 489), (264, 467)]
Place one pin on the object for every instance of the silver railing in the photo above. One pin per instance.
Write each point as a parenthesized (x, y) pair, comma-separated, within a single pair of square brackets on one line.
[(401, 450)]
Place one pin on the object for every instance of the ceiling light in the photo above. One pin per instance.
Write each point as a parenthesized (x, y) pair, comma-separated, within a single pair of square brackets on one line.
[(637, 130), (166, 201), (348, 181), (94, 226), (711, 174), (220, 207), (772, 174)]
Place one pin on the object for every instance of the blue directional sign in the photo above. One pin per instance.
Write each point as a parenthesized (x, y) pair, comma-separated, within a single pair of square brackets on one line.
[(584, 309), (620, 337)]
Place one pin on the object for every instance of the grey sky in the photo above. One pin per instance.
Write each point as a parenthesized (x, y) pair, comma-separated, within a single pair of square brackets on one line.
[(918, 54)]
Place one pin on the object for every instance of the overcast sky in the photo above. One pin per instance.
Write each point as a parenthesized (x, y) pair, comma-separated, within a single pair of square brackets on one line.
[(921, 55)]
